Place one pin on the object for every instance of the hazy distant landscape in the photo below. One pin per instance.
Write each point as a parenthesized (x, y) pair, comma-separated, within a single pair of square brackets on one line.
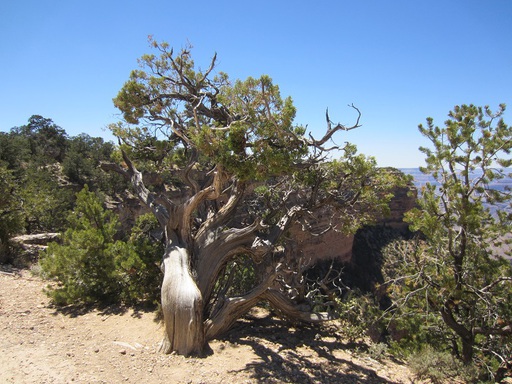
[(421, 179)]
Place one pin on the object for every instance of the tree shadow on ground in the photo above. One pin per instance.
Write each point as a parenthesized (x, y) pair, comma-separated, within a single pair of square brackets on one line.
[(277, 343), (77, 310)]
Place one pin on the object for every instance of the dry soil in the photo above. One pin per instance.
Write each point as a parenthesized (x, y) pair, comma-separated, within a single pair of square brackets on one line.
[(40, 343)]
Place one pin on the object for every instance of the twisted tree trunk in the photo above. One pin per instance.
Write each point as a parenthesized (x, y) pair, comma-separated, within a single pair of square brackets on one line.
[(467, 337), (208, 245), (182, 305)]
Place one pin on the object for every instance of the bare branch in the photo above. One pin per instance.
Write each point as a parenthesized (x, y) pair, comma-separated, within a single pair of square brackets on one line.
[(332, 130), (494, 283), (210, 68), (211, 192), (112, 167), (233, 308), (281, 303), (224, 214), (150, 199), (185, 173)]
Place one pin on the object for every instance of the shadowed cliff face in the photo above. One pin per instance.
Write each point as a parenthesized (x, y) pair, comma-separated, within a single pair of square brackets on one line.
[(365, 267), (358, 256), (336, 246), (331, 245)]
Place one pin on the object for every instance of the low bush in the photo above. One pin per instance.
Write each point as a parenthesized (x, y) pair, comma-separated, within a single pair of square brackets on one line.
[(440, 367), (91, 267)]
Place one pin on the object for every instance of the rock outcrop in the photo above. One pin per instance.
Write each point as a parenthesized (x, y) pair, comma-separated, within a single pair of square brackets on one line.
[(29, 247), (336, 246)]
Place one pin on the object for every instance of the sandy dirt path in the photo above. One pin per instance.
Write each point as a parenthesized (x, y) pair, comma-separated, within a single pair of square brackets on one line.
[(40, 344)]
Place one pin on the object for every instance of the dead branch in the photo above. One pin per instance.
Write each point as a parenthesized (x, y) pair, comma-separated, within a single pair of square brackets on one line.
[(332, 130)]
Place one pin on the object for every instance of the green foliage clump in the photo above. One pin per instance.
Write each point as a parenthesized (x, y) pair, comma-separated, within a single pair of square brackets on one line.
[(83, 157), (90, 266), (237, 278), (45, 140), (84, 265), (31, 153), (139, 272), (46, 202), (451, 288), (11, 219), (438, 367), (378, 351), (359, 316), (48, 167)]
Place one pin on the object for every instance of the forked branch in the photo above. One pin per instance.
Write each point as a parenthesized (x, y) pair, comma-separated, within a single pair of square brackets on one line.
[(331, 130)]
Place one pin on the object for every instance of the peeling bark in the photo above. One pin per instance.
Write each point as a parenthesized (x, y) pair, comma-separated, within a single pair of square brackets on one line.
[(181, 305)]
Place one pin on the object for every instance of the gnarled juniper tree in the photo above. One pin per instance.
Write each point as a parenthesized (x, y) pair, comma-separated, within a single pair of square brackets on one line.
[(234, 174)]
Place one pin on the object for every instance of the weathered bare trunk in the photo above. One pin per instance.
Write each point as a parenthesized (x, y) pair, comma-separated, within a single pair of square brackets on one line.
[(293, 311), (181, 305), (232, 310)]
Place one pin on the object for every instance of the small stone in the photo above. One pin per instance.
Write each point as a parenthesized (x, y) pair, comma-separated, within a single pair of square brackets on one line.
[(122, 351)]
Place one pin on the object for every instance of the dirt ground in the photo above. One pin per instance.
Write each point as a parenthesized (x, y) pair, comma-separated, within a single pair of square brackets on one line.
[(42, 344)]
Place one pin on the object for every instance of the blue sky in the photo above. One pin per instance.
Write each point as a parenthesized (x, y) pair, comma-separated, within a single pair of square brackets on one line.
[(397, 61)]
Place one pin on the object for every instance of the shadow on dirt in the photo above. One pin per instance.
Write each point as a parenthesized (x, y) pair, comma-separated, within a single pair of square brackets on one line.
[(276, 342), (105, 310)]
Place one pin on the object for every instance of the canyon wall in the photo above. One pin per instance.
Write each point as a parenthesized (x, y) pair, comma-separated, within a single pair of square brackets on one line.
[(334, 245)]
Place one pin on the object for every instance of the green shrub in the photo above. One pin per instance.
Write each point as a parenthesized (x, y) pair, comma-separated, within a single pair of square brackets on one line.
[(11, 219), (139, 272), (360, 316), (439, 367), (46, 204), (90, 266), (84, 264)]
